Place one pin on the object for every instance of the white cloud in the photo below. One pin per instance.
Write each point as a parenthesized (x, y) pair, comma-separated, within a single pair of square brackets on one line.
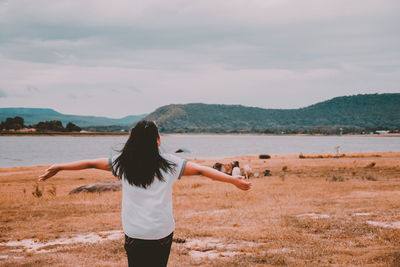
[(134, 56)]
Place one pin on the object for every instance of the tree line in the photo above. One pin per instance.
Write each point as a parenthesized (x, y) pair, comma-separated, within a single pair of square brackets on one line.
[(319, 130), (17, 123)]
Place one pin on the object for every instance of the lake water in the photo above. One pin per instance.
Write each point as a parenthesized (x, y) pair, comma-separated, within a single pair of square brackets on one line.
[(45, 150)]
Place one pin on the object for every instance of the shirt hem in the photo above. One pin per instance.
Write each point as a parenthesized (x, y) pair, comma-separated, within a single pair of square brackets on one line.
[(150, 237)]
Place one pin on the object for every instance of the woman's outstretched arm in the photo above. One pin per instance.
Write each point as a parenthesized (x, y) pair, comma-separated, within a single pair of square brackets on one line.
[(196, 169), (101, 163)]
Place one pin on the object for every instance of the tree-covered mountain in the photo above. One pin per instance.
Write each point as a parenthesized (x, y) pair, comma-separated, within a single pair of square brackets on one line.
[(358, 111), (36, 115), (348, 112)]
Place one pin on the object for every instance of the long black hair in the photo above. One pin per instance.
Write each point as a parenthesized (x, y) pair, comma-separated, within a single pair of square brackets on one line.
[(140, 160)]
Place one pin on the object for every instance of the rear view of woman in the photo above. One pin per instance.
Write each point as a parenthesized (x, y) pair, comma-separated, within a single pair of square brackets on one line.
[(147, 178)]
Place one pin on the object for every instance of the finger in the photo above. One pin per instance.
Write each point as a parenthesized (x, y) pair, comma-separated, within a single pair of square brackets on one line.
[(42, 177)]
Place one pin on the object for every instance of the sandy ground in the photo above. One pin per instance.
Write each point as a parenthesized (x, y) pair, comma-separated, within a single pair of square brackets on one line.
[(315, 211)]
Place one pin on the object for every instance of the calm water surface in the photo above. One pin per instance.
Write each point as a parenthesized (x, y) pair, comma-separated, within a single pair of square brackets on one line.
[(45, 150)]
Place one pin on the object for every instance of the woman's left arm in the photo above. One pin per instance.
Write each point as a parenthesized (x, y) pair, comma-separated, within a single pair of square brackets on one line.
[(101, 163)]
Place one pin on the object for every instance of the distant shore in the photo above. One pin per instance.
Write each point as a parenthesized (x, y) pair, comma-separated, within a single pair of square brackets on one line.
[(62, 134), (235, 134)]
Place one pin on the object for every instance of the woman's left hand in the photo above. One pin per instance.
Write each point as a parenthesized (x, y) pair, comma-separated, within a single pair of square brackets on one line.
[(51, 171), (241, 183)]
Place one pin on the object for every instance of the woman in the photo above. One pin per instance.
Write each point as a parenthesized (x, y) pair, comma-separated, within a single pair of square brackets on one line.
[(147, 177)]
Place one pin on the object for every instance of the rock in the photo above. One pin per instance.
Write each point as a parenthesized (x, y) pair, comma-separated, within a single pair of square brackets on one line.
[(97, 188), (182, 150), (371, 165), (264, 156)]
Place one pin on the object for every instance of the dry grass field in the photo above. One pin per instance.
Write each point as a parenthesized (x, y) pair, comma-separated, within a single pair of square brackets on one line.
[(313, 211)]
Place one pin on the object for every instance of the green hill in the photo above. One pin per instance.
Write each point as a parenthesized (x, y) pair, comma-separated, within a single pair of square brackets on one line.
[(35, 115), (358, 111)]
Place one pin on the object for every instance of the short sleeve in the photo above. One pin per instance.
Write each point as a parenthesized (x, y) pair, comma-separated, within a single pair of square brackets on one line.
[(180, 164), (182, 169), (111, 163)]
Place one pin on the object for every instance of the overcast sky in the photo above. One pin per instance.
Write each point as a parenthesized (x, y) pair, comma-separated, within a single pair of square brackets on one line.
[(118, 58)]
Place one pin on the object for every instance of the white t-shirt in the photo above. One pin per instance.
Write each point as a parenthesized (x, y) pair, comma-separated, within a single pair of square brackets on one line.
[(147, 213)]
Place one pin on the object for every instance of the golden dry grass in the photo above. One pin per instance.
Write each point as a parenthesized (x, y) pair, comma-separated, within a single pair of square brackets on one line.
[(299, 216)]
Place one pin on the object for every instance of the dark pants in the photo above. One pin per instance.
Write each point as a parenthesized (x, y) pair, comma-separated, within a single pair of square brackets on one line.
[(148, 253)]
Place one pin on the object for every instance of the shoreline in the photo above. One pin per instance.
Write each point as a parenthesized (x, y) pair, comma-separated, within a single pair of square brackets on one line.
[(63, 134), (312, 156), (169, 134)]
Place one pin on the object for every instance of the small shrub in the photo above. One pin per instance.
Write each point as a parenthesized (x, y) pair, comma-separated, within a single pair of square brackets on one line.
[(264, 156), (37, 192), (179, 240), (284, 168), (301, 156), (196, 185), (396, 259), (336, 179), (52, 191), (371, 165), (369, 178)]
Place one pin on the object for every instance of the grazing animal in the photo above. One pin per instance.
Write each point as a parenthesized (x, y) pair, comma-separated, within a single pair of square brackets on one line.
[(246, 171), (226, 168), (236, 171)]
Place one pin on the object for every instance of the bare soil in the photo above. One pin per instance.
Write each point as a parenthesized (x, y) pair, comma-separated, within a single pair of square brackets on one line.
[(315, 211)]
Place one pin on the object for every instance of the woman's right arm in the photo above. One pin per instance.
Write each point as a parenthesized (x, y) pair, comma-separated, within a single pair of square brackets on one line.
[(101, 164), (196, 169)]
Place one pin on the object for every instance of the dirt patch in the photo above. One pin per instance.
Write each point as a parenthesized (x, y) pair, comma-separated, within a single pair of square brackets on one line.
[(362, 214), (31, 245), (213, 248), (210, 212), (280, 250), (314, 215), (211, 254), (392, 225)]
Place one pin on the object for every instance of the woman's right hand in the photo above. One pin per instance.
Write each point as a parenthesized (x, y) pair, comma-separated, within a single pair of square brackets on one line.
[(241, 183), (51, 171)]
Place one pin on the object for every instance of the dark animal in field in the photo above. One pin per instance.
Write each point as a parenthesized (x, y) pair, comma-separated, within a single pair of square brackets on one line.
[(267, 173), (97, 188)]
